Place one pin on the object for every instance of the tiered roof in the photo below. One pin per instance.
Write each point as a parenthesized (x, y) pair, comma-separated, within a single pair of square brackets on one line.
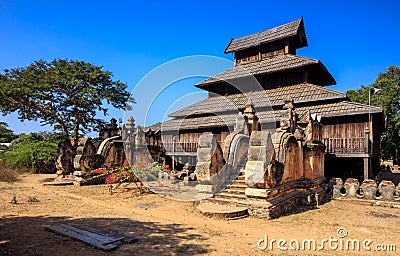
[(261, 99), (333, 109), (291, 29), (267, 66), (219, 111)]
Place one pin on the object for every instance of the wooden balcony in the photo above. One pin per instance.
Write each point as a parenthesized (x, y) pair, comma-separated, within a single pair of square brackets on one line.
[(347, 147), (340, 147), (180, 148)]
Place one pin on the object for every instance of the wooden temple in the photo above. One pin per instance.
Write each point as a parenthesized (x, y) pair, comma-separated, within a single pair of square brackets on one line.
[(267, 71)]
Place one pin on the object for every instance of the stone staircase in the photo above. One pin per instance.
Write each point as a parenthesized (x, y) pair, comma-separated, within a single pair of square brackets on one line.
[(229, 203), (234, 192)]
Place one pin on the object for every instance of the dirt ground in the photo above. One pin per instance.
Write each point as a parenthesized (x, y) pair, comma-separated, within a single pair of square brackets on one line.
[(167, 227)]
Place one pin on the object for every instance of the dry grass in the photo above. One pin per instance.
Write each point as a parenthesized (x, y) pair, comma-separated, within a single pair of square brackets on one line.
[(8, 175)]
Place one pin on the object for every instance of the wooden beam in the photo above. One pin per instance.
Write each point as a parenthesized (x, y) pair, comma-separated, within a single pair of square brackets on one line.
[(366, 168), (100, 239), (95, 240)]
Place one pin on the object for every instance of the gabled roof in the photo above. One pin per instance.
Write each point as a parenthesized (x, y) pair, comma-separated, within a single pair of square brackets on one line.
[(267, 66), (261, 99), (342, 108), (284, 31)]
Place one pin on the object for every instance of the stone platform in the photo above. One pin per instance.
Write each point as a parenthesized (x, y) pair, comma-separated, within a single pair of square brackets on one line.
[(294, 197), (222, 211)]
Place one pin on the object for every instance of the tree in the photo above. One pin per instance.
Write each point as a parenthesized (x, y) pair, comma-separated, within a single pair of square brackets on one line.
[(388, 99), (6, 135), (62, 93)]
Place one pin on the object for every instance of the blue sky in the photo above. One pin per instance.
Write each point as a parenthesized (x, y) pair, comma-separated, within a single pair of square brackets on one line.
[(355, 40)]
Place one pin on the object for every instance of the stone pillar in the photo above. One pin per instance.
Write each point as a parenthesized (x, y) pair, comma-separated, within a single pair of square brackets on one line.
[(251, 117), (209, 162), (65, 158), (128, 138), (260, 154)]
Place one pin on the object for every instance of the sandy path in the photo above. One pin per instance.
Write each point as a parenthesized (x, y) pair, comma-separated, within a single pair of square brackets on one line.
[(167, 227)]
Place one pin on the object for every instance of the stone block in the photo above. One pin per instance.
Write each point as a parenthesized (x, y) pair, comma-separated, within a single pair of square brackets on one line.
[(351, 185), (368, 189), (203, 170), (208, 189), (259, 153), (204, 154), (256, 192), (387, 189), (255, 173), (259, 138), (336, 184), (206, 140)]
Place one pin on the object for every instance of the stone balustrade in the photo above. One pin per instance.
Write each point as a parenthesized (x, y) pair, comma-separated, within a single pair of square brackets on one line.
[(368, 190)]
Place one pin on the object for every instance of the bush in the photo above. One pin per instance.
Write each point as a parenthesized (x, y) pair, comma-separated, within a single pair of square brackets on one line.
[(137, 174), (32, 152), (7, 175)]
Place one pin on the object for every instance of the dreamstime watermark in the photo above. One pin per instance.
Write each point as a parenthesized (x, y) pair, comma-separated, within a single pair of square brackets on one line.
[(340, 242)]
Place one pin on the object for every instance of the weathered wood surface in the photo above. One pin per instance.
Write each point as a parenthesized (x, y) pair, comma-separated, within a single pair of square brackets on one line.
[(115, 235), (100, 239), (59, 183)]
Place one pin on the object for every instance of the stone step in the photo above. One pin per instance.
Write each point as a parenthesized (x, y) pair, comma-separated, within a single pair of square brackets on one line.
[(225, 201), (231, 196), (239, 182), (234, 191), (237, 187), (240, 177), (222, 210)]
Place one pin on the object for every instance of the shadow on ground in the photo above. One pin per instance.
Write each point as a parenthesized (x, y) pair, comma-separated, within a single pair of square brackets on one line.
[(28, 236)]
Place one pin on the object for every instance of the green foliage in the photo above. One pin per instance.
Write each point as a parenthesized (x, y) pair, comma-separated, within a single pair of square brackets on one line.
[(389, 100), (62, 93), (32, 151), (6, 135)]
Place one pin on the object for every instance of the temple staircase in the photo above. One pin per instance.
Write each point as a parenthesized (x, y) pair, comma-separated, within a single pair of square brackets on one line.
[(234, 192), (232, 202)]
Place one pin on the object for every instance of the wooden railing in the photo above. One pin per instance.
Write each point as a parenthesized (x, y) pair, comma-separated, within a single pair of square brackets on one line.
[(358, 145), (188, 147)]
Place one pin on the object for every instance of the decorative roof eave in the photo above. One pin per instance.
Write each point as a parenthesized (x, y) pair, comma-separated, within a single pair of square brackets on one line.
[(338, 109), (332, 79), (291, 29), (301, 93), (293, 62)]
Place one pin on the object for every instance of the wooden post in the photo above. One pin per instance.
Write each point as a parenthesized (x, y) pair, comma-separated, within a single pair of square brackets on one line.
[(286, 47), (366, 167), (173, 150), (367, 141)]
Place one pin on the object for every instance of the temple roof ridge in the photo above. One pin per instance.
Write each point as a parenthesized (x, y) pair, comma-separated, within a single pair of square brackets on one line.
[(291, 29)]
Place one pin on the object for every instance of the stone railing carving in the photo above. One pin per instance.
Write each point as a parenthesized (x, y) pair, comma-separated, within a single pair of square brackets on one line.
[(368, 190)]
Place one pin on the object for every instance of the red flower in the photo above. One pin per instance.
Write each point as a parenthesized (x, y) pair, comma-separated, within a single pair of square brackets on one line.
[(166, 166), (100, 171), (142, 166), (110, 180)]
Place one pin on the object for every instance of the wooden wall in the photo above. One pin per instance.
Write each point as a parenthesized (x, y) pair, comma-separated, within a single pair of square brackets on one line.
[(344, 130)]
